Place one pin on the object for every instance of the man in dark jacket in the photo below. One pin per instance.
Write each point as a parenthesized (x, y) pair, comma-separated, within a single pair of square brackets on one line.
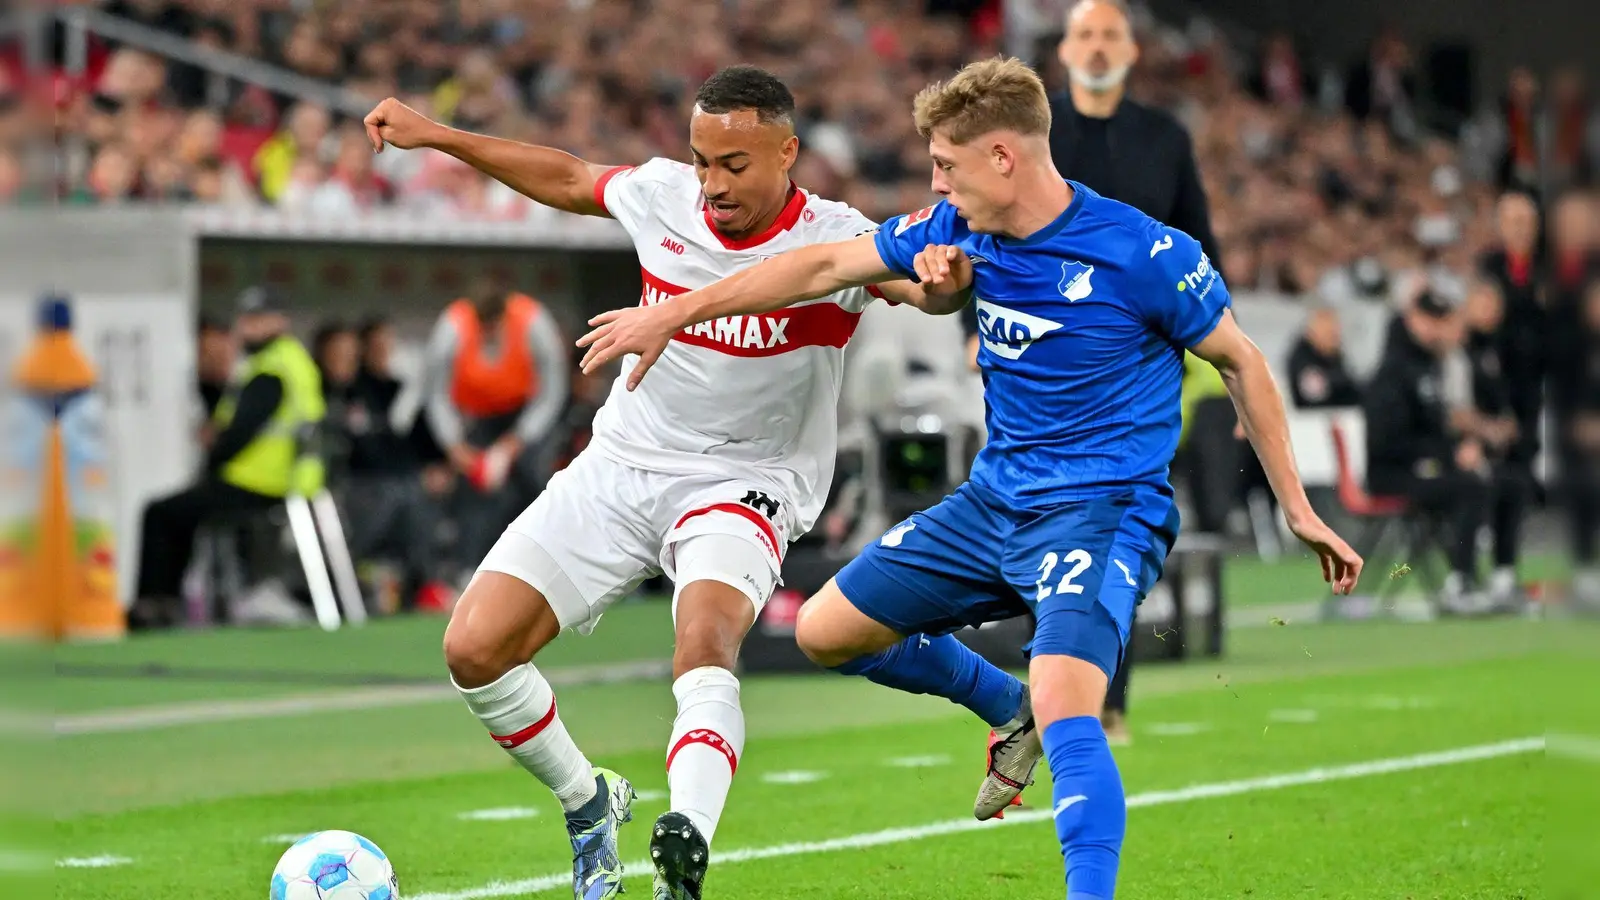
[(1524, 335), (1493, 422), (1413, 451), (1122, 150), (1128, 152), (1318, 378), (1576, 401)]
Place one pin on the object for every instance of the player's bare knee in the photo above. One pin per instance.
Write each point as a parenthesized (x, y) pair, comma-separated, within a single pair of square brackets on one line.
[(830, 631), (712, 619), (1064, 687), (499, 624)]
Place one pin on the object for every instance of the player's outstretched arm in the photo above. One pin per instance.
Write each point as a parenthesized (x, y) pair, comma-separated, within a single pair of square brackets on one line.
[(803, 274), (1255, 395), (552, 177)]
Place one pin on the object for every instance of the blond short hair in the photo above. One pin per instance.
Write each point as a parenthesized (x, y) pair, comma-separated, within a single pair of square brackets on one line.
[(999, 94)]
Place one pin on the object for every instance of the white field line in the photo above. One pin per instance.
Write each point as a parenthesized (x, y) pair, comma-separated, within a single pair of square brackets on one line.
[(207, 712), (92, 862), (798, 776), (641, 868), (203, 712), (1175, 729)]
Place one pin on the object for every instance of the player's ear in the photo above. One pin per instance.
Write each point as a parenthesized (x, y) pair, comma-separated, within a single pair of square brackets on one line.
[(1134, 59), (1002, 158), (791, 150)]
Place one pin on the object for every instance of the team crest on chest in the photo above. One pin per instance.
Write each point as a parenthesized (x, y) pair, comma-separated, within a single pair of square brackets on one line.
[(1075, 281)]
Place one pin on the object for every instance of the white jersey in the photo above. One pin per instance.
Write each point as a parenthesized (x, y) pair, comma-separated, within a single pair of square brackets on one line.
[(742, 397)]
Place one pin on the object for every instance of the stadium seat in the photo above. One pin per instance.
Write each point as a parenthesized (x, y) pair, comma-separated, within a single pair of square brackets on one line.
[(317, 534), (1391, 534)]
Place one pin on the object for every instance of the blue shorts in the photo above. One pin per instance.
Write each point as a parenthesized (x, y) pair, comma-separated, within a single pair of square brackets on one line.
[(1081, 568)]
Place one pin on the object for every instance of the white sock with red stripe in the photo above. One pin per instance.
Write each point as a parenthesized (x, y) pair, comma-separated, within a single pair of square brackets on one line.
[(707, 739), (520, 712)]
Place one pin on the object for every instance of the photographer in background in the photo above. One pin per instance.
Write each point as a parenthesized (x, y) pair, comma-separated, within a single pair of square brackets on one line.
[(1413, 450)]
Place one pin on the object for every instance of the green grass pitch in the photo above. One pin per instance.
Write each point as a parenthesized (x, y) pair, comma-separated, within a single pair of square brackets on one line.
[(1364, 761)]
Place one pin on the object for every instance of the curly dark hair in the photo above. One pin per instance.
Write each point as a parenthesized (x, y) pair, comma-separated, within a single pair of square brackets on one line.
[(747, 87)]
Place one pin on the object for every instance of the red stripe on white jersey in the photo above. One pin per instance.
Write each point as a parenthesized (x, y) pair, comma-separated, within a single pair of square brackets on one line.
[(517, 739), (710, 739), (739, 509), (604, 179), (769, 334)]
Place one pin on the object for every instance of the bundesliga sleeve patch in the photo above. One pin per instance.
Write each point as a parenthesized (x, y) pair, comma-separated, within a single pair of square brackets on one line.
[(916, 218)]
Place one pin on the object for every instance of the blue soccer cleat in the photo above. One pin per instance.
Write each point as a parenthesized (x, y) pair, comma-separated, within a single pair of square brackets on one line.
[(596, 867)]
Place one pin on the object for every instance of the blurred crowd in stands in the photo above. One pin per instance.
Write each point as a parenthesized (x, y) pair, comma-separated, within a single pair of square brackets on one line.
[(1320, 177), (1328, 180)]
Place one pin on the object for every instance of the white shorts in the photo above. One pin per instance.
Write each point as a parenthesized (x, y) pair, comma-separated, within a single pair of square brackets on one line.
[(601, 527)]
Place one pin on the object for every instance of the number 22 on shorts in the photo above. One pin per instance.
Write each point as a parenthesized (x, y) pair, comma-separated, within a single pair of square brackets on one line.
[(1075, 561)]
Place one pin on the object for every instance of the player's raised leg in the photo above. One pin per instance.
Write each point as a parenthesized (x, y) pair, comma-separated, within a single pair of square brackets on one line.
[(835, 634), (724, 580), (888, 616), (555, 567), (495, 630)]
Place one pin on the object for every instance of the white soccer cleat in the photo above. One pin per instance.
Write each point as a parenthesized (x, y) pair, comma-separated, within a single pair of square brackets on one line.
[(1014, 752)]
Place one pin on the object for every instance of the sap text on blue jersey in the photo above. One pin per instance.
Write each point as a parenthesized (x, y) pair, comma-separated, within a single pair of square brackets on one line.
[(1008, 333)]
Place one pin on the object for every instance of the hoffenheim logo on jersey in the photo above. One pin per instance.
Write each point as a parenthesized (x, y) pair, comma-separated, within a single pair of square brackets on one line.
[(1007, 333), (1075, 281)]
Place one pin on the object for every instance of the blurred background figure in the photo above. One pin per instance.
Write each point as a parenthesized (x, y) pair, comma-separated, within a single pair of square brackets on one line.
[(1516, 267), (391, 500), (1578, 426), (497, 379), (214, 358), (261, 429), (1122, 149), (1413, 449), (1488, 417), (1318, 376)]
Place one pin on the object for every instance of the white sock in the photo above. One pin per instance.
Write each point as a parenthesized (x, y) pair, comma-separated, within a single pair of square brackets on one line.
[(707, 740), (520, 712)]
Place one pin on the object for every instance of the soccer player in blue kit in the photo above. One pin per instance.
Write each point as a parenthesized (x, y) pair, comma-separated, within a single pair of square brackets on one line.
[(1086, 307)]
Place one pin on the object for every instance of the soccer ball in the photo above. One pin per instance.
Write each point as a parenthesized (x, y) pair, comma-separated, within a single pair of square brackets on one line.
[(334, 865)]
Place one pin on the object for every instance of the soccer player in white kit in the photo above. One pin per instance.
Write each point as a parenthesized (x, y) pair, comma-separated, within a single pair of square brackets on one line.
[(706, 472)]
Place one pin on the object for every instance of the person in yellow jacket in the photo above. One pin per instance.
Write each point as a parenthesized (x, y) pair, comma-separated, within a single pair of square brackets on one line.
[(261, 451)]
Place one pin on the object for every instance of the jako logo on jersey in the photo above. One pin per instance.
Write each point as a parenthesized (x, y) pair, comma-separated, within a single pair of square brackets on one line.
[(1201, 279), (1164, 244), (1075, 281), (918, 217), (672, 246), (1007, 333)]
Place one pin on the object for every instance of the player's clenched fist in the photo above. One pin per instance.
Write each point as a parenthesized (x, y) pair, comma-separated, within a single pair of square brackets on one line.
[(943, 269), (393, 122)]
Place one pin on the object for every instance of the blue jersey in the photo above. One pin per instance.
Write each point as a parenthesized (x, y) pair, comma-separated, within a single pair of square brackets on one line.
[(1083, 327)]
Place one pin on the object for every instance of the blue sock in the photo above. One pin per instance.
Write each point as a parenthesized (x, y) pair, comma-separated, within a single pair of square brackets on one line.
[(1091, 812), (944, 667)]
